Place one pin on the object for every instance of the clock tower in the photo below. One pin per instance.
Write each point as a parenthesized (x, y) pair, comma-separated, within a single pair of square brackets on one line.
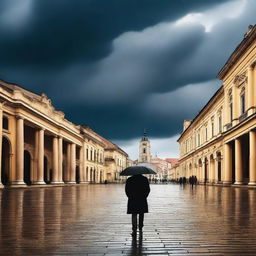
[(144, 151)]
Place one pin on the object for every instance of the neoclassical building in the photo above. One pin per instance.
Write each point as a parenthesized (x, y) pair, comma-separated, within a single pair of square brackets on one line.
[(219, 144), (39, 146)]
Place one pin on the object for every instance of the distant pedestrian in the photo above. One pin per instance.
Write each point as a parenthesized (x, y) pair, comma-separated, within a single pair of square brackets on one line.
[(192, 181), (137, 190), (195, 180)]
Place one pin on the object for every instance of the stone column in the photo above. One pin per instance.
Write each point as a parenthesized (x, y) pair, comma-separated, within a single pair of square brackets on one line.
[(55, 161), (254, 84), (40, 150), (1, 136), (81, 164), (72, 172), (60, 159), (19, 174), (67, 171), (85, 167), (252, 158), (250, 94), (238, 162), (35, 169), (89, 174), (203, 172), (227, 164)]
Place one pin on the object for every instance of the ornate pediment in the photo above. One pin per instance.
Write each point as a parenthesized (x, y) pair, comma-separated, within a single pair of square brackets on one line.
[(240, 79)]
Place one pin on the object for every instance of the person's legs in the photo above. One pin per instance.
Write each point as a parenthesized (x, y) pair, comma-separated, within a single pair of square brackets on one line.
[(141, 219), (134, 222)]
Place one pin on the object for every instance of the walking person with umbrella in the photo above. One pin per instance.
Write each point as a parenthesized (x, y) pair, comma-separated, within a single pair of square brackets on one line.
[(137, 190)]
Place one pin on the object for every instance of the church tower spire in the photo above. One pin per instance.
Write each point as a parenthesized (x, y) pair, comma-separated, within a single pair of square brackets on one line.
[(144, 150)]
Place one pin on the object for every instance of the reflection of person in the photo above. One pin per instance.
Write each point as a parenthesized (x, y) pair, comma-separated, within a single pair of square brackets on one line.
[(137, 190)]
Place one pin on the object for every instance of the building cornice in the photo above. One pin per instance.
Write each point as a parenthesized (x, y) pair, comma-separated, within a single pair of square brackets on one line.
[(202, 148), (249, 37), (206, 107)]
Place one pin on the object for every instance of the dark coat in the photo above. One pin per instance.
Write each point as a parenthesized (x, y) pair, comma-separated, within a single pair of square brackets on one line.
[(137, 190)]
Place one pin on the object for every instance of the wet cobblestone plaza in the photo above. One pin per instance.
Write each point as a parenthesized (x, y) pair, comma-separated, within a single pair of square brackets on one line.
[(92, 220)]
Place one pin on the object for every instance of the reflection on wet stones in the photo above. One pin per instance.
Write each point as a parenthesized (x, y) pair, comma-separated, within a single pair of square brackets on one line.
[(92, 220)]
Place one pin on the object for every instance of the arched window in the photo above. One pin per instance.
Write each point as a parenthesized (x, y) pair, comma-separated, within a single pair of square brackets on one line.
[(242, 101), (87, 154), (144, 150), (230, 100), (212, 123), (220, 121), (5, 123), (206, 132), (91, 155)]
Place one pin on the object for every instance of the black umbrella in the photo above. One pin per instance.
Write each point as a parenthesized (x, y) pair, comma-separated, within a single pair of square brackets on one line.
[(136, 169)]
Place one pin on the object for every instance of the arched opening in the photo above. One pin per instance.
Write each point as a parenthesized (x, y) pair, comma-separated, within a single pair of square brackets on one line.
[(86, 174), (77, 174), (219, 166), (91, 175), (200, 174), (94, 175), (206, 170), (6, 152), (27, 167), (47, 178), (190, 170)]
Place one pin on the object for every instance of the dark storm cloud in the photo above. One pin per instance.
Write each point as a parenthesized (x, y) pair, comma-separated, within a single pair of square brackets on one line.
[(57, 32), (120, 67)]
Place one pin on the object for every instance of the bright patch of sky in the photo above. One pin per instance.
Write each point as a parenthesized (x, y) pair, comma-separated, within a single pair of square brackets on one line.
[(162, 148), (212, 17), (16, 13)]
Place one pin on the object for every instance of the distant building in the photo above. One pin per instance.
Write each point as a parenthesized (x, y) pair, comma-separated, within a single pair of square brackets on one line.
[(160, 166)]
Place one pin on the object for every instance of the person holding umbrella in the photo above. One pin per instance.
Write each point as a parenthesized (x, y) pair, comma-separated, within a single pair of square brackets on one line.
[(137, 190)]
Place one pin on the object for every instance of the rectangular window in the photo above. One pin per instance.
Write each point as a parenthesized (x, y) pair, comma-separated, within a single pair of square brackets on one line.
[(242, 103), (220, 123), (231, 111)]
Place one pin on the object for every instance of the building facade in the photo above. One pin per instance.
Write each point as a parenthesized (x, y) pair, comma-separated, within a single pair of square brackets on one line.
[(39, 146), (219, 144)]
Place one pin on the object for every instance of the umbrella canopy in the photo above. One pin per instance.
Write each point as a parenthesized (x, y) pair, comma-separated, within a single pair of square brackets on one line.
[(136, 169)]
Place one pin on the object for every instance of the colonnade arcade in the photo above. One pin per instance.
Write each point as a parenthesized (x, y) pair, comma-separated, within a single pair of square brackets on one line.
[(240, 159), (41, 157), (38, 156), (207, 169)]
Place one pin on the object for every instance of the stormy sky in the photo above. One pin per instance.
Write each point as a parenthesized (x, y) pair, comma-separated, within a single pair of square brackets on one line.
[(120, 66)]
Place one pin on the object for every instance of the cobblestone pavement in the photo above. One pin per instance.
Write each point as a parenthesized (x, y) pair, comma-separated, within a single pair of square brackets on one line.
[(92, 220)]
